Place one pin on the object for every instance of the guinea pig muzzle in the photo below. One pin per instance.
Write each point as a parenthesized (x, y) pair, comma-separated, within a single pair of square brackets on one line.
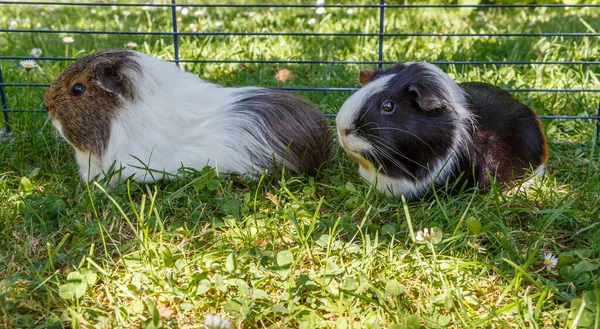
[(352, 147)]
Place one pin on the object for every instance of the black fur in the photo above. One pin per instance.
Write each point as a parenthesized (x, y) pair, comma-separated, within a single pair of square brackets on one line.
[(504, 139), (509, 138)]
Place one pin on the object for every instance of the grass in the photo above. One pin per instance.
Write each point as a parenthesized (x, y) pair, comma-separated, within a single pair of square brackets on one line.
[(293, 251)]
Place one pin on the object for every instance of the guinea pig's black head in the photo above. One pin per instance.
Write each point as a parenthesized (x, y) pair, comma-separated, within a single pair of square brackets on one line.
[(405, 121)]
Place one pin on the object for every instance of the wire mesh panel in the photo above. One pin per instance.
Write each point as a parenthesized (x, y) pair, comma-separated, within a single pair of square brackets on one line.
[(520, 47)]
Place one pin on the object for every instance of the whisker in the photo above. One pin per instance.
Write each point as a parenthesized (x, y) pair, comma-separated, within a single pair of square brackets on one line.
[(408, 132), (397, 152), (362, 116), (395, 162), (399, 165)]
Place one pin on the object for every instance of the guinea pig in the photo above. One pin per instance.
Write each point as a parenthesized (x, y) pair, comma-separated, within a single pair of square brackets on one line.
[(413, 130), (148, 118)]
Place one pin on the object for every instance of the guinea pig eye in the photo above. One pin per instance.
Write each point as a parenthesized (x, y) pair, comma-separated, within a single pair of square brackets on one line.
[(78, 89), (388, 107)]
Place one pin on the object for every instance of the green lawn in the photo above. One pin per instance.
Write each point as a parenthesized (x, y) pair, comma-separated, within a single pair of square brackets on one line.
[(294, 251)]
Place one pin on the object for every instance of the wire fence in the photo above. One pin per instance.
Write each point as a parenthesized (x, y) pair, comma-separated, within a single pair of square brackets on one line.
[(381, 34)]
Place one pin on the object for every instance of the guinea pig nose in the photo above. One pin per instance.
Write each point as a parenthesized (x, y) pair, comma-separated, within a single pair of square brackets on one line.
[(344, 131)]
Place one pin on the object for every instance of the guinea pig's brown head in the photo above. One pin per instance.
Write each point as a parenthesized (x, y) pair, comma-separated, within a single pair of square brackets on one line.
[(88, 94)]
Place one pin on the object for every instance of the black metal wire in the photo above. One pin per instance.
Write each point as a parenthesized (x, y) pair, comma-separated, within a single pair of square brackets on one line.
[(517, 90), (4, 105), (175, 34), (382, 6), (305, 34), (598, 127), (286, 61), (381, 30), (276, 5)]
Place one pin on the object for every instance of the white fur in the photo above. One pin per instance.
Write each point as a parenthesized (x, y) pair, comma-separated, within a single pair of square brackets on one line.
[(540, 170), (89, 165), (537, 173), (177, 119), (58, 126), (351, 107), (440, 169)]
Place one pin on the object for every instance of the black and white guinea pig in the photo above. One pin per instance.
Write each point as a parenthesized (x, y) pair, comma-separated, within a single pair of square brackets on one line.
[(125, 108), (412, 128)]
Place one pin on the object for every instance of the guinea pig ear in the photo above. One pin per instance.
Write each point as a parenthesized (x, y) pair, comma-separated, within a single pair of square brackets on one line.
[(365, 76), (107, 76), (427, 98)]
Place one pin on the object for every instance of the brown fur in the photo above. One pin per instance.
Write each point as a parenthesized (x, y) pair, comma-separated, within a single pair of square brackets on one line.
[(365, 76), (294, 123), (544, 157), (86, 119)]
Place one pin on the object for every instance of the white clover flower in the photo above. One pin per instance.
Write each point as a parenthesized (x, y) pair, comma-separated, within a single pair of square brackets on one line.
[(350, 11), (145, 7), (185, 11), (249, 13), (38, 25), (319, 2), (126, 13), (35, 52), (218, 23), (93, 11), (193, 27), (131, 44), (68, 39), (216, 322), (113, 7), (424, 235), (200, 12), (320, 11), (13, 24), (28, 64), (311, 21), (549, 260), (429, 236)]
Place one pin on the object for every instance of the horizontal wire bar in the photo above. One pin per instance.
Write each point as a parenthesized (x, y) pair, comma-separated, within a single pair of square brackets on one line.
[(274, 5), (307, 34), (6, 84), (284, 61), (569, 117), (554, 117), (25, 111)]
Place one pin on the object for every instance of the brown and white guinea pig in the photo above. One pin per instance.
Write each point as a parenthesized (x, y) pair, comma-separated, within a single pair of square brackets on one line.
[(412, 128), (128, 109)]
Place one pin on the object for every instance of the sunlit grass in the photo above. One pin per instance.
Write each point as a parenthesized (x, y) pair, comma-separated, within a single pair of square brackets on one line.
[(301, 252)]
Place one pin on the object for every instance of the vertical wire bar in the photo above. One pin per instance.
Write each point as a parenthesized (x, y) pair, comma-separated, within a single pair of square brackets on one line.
[(4, 106), (175, 35), (598, 127), (381, 18)]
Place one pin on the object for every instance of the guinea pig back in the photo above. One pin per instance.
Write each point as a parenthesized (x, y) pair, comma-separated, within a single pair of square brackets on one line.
[(145, 116), (412, 128)]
